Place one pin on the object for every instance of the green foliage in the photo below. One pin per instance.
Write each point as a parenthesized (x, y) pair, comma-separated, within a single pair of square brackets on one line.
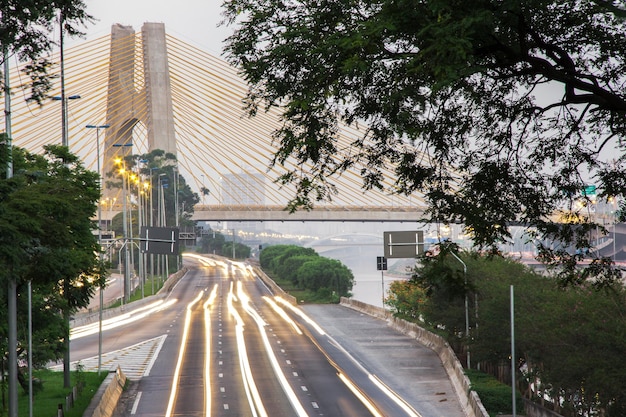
[(212, 243), (278, 263), (495, 396), (406, 299), (569, 339), (47, 238), (492, 112), (54, 393), (331, 274), (288, 269), (269, 253), (27, 33), (322, 278), (241, 251)]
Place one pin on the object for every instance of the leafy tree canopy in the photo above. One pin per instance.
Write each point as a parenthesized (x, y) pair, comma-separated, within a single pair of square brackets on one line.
[(26, 30), (47, 238), (568, 339), (158, 168), (495, 111)]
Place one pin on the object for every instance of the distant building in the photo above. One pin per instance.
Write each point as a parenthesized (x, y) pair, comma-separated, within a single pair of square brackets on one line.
[(246, 190)]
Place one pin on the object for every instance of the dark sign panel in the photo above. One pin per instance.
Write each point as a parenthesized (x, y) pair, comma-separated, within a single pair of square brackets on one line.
[(403, 244), (159, 240), (381, 263)]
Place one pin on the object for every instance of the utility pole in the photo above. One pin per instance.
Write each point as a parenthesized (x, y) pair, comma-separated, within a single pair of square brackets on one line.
[(12, 285)]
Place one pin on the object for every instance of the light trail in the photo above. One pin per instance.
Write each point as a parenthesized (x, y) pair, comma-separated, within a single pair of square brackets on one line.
[(291, 395), (394, 397), (252, 393), (301, 314), (121, 320), (181, 355), (207, 355), (282, 314), (366, 402), (375, 380)]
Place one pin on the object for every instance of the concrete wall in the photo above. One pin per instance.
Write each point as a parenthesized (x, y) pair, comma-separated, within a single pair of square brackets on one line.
[(535, 410), (106, 405), (469, 400), (275, 288)]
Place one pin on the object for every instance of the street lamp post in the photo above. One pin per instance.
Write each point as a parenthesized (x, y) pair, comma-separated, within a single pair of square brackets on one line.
[(466, 307), (98, 127), (64, 128), (233, 244), (126, 295)]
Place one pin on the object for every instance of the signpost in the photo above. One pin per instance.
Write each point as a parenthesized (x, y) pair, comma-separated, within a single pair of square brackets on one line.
[(408, 244), (381, 265)]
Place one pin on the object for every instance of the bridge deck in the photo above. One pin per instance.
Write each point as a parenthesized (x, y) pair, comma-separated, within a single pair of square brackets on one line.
[(323, 213)]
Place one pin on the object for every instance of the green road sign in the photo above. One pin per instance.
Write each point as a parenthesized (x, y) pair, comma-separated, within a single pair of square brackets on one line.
[(589, 190)]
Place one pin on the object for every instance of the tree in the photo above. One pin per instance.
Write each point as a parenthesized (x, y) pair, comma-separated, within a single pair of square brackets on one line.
[(268, 254), (495, 111), (212, 243), (289, 267), (155, 165), (26, 30), (568, 339), (406, 298), (241, 251), (327, 274), (47, 238)]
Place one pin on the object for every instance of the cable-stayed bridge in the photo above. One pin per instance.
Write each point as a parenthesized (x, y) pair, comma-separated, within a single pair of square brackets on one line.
[(157, 92)]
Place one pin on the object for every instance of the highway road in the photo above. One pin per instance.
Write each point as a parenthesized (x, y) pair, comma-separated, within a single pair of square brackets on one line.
[(220, 344)]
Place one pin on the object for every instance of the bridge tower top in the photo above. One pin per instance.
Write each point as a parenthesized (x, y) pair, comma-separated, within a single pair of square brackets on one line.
[(139, 92)]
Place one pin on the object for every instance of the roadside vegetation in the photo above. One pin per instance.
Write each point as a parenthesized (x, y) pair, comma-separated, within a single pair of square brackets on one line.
[(570, 340), (307, 276), (51, 393), (215, 243)]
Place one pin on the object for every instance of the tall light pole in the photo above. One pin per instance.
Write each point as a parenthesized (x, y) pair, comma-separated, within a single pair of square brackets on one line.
[(162, 222), (233, 244), (126, 295), (202, 175), (98, 127), (63, 99), (466, 307), (12, 284)]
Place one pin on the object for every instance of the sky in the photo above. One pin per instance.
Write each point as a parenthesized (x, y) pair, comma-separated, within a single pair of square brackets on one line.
[(192, 21)]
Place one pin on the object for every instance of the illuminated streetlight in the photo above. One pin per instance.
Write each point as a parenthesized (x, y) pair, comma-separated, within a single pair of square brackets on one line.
[(122, 172)]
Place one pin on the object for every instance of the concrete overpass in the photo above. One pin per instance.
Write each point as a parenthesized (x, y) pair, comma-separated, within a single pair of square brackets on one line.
[(323, 214)]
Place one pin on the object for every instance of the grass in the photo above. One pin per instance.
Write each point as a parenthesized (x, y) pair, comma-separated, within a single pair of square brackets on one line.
[(495, 396), (155, 282), (46, 401)]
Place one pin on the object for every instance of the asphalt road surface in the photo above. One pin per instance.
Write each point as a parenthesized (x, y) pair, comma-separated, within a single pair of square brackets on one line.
[(220, 344)]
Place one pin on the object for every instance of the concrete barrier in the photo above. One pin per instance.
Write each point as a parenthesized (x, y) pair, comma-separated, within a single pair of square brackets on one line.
[(273, 287), (472, 406), (535, 410), (104, 405)]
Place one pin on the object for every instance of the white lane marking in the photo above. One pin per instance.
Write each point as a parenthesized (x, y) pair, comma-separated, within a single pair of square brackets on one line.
[(154, 357), (136, 403)]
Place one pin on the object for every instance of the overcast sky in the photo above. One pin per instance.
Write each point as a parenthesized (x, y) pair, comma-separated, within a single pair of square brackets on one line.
[(192, 21)]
